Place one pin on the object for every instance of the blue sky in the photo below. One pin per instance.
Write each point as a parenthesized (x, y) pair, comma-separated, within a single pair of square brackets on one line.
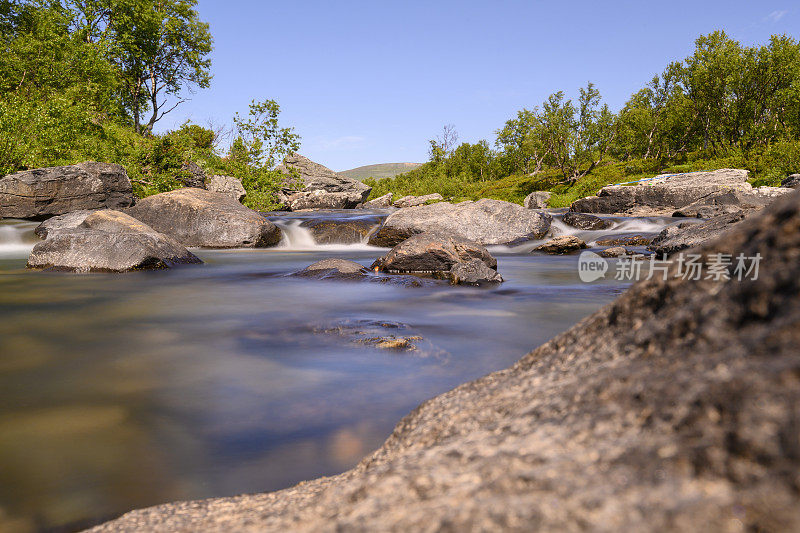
[(368, 82)]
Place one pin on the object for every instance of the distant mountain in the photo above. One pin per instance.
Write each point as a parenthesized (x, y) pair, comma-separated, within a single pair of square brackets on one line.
[(383, 170)]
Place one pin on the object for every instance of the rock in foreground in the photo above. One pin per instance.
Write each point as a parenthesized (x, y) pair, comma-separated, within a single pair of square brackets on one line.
[(47, 192), (485, 222), (108, 241), (673, 239), (196, 217), (561, 245), (319, 187), (672, 409), (432, 252)]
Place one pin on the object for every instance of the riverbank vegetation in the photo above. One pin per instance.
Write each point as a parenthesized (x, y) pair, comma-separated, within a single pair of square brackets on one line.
[(726, 105), (91, 79)]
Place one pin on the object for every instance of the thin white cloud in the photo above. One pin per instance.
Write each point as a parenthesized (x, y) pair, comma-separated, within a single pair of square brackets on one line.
[(342, 143), (775, 16)]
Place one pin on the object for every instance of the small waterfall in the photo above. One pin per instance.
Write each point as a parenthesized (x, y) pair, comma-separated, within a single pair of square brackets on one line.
[(297, 238), (17, 238)]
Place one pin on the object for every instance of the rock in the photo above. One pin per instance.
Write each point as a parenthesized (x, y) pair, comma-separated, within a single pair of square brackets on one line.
[(379, 203), (473, 272), (411, 201), (383, 335), (584, 221), (561, 245), (674, 408), (431, 253), (792, 181), (192, 175), (485, 222), (537, 200), (731, 201), (61, 223), (108, 241), (624, 240), (338, 231), (673, 239), (47, 192), (226, 185), (661, 196), (196, 217), (333, 269), (616, 251), (320, 187)]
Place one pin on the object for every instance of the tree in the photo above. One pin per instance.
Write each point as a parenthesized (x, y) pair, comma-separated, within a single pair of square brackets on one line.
[(522, 142), (443, 145)]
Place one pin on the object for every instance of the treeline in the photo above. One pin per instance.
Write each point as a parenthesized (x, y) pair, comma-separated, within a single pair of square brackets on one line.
[(90, 79), (726, 103)]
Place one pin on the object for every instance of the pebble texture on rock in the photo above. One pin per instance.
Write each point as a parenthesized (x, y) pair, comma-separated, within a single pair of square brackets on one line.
[(675, 408), (46, 192)]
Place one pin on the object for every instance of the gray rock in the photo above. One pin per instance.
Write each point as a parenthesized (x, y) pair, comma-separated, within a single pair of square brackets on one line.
[(624, 240), (61, 223), (616, 251), (333, 269), (319, 187), (108, 241), (412, 201), (381, 202), (674, 239), (584, 221), (564, 244), (226, 185), (339, 231), (47, 192), (537, 200), (675, 408), (192, 175), (485, 222), (196, 217), (432, 253), (473, 272), (661, 196), (791, 181), (731, 201)]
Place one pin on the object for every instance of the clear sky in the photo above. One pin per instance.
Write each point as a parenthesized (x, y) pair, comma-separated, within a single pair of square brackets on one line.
[(369, 82)]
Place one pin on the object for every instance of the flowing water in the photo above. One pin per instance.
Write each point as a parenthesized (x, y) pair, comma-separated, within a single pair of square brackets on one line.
[(123, 391)]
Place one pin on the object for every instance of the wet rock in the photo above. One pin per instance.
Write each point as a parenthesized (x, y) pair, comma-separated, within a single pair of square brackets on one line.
[(411, 201), (227, 185), (624, 240), (192, 175), (616, 251), (674, 239), (473, 272), (485, 222), (381, 202), (196, 217), (61, 223), (792, 181), (334, 269), (431, 253), (319, 187), (339, 231), (384, 335), (725, 202), (108, 241), (564, 244), (537, 200), (674, 408), (585, 221), (47, 192), (661, 196)]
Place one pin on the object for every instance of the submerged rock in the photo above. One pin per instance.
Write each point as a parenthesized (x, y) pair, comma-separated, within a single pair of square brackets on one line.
[(108, 241), (381, 202), (227, 185), (334, 269), (616, 251), (725, 202), (485, 222), (473, 272), (319, 187), (564, 244), (537, 200), (411, 201), (674, 408), (585, 221), (47, 192), (663, 195), (674, 239), (196, 217)]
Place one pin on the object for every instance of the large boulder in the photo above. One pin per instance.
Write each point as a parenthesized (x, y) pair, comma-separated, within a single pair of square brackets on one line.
[(108, 241), (432, 253), (227, 185), (381, 202), (677, 238), (61, 223), (196, 217), (47, 192), (675, 408), (319, 186), (791, 181), (341, 231), (485, 222), (662, 195), (731, 201), (411, 201), (537, 200)]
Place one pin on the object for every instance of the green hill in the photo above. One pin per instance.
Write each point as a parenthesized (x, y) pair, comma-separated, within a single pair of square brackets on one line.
[(383, 170)]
